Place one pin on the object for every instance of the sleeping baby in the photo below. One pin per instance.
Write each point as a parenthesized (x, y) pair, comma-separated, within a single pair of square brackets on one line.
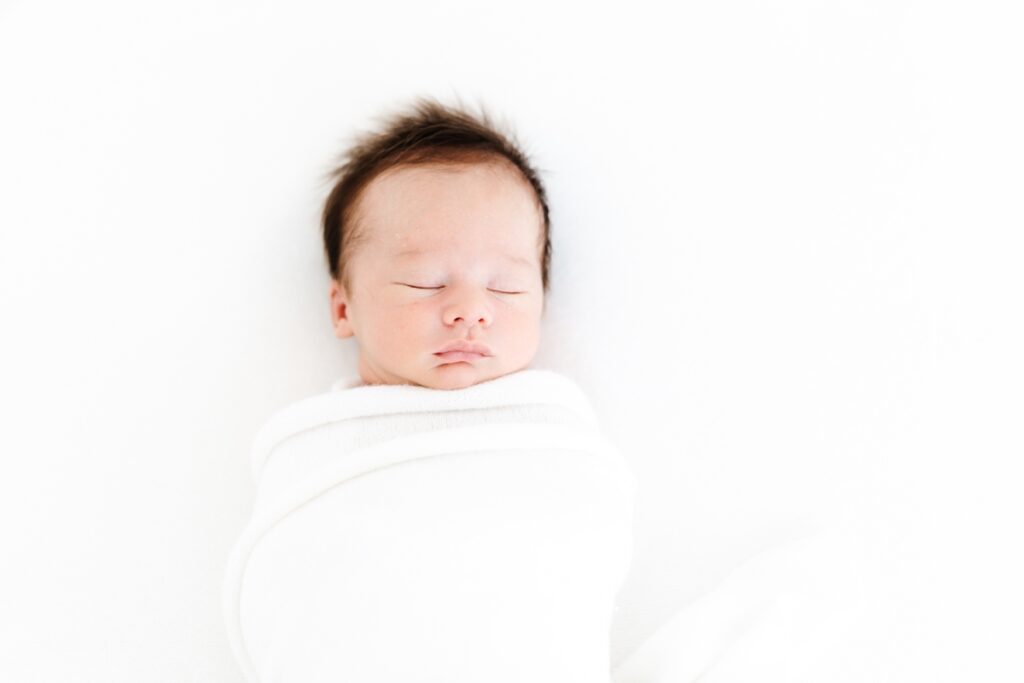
[(436, 236), (448, 513)]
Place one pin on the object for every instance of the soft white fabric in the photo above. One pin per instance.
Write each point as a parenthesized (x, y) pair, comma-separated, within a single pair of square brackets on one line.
[(403, 533), (792, 614)]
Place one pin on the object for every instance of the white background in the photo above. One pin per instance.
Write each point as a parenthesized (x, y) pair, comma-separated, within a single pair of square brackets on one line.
[(787, 266)]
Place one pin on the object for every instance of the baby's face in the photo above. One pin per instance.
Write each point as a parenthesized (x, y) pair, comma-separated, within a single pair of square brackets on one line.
[(452, 254)]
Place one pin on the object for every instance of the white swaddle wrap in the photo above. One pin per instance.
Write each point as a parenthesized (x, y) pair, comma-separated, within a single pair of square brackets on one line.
[(403, 533)]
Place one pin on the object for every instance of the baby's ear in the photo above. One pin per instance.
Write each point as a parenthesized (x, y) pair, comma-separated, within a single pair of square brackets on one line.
[(339, 311)]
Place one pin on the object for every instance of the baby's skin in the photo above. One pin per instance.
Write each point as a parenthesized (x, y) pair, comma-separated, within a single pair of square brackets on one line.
[(452, 256)]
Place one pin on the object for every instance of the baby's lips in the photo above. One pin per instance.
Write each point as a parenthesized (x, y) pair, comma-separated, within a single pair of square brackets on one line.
[(460, 355), (465, 346)]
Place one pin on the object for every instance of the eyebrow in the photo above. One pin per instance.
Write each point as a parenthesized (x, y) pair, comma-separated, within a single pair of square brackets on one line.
[(418, 252)]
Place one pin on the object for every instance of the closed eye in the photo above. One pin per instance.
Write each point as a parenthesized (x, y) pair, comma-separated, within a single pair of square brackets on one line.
[(442, 286)]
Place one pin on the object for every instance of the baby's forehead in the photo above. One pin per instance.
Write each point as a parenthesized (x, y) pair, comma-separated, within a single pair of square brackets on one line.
[(427, 255), (428, 177), (481, 252), (408, 211), (496, 165)]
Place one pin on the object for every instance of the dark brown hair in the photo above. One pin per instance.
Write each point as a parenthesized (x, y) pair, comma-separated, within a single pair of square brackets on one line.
[(426, 132)]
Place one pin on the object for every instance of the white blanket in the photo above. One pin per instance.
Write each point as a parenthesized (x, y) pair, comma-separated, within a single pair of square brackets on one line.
[(402, 533), (794, 613)]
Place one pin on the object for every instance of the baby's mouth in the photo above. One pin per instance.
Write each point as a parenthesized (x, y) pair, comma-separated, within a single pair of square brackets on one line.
[(460, 355)]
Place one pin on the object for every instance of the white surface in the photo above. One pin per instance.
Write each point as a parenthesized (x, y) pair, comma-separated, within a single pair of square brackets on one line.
[(798, 222)]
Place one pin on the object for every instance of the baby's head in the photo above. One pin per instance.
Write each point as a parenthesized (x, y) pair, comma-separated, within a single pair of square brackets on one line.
[(436, 233)]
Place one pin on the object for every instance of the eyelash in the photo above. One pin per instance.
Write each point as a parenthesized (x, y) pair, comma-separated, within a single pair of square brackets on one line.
[(493, 290)]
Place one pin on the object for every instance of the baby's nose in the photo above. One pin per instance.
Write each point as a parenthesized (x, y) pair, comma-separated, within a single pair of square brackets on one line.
[(471, 319), (470, 309)]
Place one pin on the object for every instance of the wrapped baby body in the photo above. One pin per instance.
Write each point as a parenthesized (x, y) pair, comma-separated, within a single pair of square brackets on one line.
[(404, 533)]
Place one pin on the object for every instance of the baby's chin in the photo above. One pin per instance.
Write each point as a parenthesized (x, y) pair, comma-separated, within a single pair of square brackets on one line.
[(457, 375)]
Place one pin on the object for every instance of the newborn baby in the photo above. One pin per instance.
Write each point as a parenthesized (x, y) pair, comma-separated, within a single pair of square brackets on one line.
[(437, 241), (450, 514)]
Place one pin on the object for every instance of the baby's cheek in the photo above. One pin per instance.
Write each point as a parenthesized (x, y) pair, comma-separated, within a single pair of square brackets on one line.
[(404, 330), (527, 334)]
